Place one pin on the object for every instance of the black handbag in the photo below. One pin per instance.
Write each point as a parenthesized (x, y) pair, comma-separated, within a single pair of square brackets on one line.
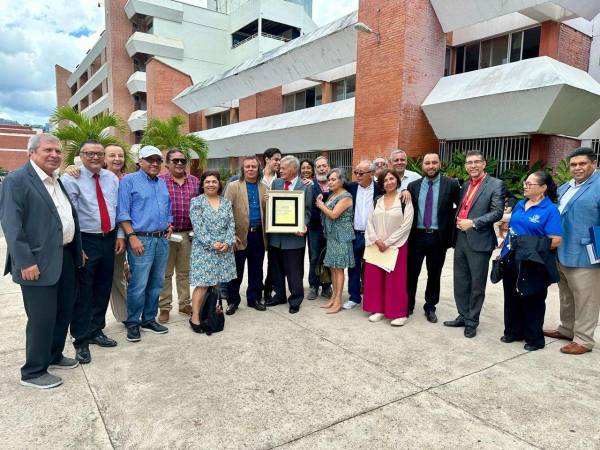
[(497, 271), (322, 271), (212, 319)]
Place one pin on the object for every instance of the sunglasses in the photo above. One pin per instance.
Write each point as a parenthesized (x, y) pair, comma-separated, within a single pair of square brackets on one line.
[(358, 173), (179, 161), (153, 160)]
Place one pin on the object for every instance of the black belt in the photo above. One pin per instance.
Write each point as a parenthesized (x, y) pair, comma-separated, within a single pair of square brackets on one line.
[(99, 235), (427, 230), (181, 231), (254, 228), (156, 234)]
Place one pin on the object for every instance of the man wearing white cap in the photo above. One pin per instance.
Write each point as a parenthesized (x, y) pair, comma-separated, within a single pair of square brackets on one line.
[(144, 214)]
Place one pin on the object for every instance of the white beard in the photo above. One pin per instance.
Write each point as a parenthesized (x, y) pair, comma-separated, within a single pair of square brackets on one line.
[(321, 178)]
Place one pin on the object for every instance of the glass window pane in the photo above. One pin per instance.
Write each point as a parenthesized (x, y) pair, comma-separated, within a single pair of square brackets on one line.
[(515, 46), (338, 90), (499, 50), (300, 100), (460, 60), (447, 62), (350, 86), (472, 57), (288, 103), (531, 43), (310, 98), (318, 95), (486, 54), (225, 118)]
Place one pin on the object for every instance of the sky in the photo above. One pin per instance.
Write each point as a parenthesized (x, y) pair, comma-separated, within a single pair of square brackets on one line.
[(37, 34)]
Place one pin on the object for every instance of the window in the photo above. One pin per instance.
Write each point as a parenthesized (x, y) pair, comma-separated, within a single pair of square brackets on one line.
[(139, 101), (472, 57), (531, 43), (218, 164), (447, 62), (341, 159), (596, 147), (460, 60), (303, 99), (217, 120), (344, 89)]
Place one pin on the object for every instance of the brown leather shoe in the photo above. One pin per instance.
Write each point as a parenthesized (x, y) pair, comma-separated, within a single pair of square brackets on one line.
[(574, 348), (555, 334), (163, 317), (187, 310)]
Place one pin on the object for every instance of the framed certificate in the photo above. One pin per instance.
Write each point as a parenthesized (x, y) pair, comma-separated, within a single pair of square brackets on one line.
[(285, 212)]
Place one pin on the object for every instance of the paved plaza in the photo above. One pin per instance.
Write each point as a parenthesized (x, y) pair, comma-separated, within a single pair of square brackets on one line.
[(307, 381)]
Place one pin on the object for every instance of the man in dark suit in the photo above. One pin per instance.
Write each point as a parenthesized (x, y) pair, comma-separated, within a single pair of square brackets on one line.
[(44, 247), (481, 205), (434, 198), (287, 249), (364, 191)]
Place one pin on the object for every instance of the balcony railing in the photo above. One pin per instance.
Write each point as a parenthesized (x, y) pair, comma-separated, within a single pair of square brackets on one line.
[(268, 35)]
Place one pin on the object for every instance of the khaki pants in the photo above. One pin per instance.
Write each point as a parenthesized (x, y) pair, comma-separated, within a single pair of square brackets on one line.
[(118, 295), (179, 261), (579, 303)]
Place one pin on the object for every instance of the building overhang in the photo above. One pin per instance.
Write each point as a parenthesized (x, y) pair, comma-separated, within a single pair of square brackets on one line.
[(163, 9), (91, 84), (137, 82), (154, 45), (324, 127), (99, 106), (456, 14), (326, 48), (538, 95), (137, 120)]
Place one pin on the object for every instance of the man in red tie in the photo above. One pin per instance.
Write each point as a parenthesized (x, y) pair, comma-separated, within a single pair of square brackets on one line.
[(94, 195)]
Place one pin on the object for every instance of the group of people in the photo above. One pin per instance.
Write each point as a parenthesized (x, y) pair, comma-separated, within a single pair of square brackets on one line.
[(97, 236)]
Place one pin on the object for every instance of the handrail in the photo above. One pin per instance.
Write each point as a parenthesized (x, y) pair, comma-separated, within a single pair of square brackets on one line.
[(268, 35)]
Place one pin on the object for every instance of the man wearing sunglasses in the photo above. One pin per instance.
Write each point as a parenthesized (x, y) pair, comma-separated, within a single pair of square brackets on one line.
[(182, 188), (144, 214)]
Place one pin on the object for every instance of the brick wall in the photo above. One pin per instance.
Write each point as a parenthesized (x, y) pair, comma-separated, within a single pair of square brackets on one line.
[(263, 104), (565, 44), (551, 149), (63, 92), (162, 84), (11, 160), (395, 72)]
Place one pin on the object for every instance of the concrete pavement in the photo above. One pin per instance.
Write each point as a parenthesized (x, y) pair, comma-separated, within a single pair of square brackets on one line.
[(307, 380)]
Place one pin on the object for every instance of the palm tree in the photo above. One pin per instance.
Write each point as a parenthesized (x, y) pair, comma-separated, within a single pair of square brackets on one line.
[(74, 128), (166, 134)]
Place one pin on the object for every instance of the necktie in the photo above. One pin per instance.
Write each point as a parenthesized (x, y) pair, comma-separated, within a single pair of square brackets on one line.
[(286, 185), (104, 217), (428, 206)]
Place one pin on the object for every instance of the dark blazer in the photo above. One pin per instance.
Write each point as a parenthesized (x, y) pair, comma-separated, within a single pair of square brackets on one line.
[(289, 241), (315, 213), (536, 262), (446, 210), (33, 229), (487, 209), (353, 188)]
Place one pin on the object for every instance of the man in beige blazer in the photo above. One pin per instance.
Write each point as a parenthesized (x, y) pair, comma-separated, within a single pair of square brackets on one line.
[(247, 199)]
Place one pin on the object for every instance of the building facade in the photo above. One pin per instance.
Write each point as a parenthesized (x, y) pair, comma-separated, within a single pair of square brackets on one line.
[(13, 145)]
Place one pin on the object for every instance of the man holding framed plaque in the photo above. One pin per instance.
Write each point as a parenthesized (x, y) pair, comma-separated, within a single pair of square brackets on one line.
[(288, 212)]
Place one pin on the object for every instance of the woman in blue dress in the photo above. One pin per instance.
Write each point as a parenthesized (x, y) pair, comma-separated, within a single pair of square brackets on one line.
[(212, 261)]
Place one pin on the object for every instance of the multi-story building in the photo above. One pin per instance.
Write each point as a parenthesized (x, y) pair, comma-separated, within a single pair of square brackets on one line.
[(13, 144), (153, 49), (517, 79)]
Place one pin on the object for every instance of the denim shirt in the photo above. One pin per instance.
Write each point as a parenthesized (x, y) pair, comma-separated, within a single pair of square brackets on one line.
[(144, 201)]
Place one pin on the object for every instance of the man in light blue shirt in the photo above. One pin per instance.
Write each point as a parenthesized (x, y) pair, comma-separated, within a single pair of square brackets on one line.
[(94, 196), (144, 214)]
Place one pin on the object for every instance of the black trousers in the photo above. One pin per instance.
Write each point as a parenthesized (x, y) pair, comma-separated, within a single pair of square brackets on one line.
[(523, 314), (94, 286), (470, 279), (288, 264), (268, 284), (48, 310), (254, 253), (428, 246)]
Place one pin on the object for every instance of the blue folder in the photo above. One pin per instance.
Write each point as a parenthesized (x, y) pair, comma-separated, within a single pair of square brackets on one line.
[(595, 237)]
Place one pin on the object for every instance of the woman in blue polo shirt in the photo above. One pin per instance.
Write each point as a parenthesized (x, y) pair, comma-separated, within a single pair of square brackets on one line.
[(535, 215)]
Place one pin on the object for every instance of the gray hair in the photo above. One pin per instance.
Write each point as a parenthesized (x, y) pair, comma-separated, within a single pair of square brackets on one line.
[(371, 165), (321, 157), (291, 159), (341, 174), (35, 141), (398, 150)]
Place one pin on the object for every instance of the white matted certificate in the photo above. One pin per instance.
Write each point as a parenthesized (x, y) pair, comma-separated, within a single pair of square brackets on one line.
[(285, 212)]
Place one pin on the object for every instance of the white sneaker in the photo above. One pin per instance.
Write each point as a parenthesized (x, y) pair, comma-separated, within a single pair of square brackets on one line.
[(350, 305), (376, 317), (399, 321)]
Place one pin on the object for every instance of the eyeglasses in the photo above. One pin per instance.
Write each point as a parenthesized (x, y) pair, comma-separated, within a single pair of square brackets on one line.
[(380, 164), (360, 173), (153, 161), (93, 154), (474, 163), (179, 161), (528, 184)]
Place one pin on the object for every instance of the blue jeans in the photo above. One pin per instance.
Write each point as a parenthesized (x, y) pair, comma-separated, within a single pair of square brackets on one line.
[(147, 278), (355, 273), (316, 244)]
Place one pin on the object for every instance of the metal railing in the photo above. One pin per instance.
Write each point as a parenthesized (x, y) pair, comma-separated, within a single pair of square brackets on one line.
[(596, 148), (217, 163), (268, 35), (341, 159)]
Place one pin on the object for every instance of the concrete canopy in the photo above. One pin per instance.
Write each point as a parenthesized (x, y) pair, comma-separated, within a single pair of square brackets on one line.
[(538, 95), (329, 126), (326, 48), (455, 14)]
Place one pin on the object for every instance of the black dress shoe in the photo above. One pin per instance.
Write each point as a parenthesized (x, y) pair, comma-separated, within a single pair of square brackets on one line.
[(456, 323), (103, 341), (507, 339), (259, 306), (531, 348), (196, 328), (274, 302), (231, 309), (82, 354), (294, 309), (431, 317), (470, 332)]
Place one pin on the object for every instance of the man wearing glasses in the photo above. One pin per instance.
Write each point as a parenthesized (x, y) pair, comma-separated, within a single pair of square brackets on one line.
[(182, 188), (144, 214), (481, 204), (94, 197), (364, 192), (380, 165)]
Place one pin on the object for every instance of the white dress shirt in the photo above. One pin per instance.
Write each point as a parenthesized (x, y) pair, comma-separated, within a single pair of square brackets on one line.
[(61, 202), (364, 201), (408, 177)]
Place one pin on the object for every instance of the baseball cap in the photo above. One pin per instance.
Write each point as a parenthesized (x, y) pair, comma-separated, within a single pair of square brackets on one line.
[(149, 150)]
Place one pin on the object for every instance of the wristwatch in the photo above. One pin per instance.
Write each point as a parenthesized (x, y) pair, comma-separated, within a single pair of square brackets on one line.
[(128, 235)]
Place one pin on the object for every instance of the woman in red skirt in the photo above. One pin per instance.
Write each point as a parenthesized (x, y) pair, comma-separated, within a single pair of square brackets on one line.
[(388, 228)]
